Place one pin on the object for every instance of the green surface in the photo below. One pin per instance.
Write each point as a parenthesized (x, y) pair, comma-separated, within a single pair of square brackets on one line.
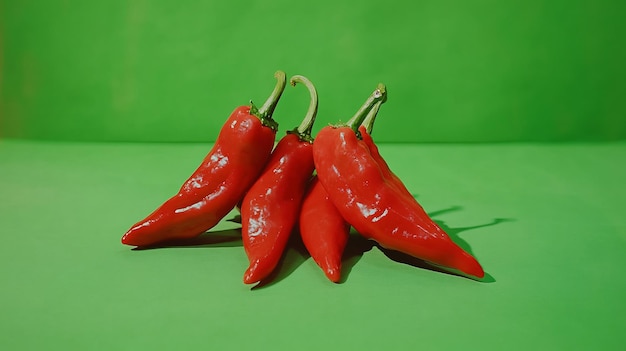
[(457, 70), (546, 221)]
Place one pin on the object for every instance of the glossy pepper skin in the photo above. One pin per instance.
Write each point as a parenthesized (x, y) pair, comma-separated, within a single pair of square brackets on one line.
[(323, 230), (372, 204), (366, 135), (270, 208), (239, 154)]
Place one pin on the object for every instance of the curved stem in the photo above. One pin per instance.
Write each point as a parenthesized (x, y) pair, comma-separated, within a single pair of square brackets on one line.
[(267, 110), (306, 126), (270, 104), (380, 94)]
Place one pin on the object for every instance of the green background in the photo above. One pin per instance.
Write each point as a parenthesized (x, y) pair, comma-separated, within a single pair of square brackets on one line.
[(456, 70), (505, 119)]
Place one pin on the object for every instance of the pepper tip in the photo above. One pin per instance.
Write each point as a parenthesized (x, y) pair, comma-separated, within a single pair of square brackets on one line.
[(252, 274), (334, 275)]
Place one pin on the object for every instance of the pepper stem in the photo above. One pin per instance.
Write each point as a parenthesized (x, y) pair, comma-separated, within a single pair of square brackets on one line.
[(379, 95), (267, 110), (306, 126), (369, 120)]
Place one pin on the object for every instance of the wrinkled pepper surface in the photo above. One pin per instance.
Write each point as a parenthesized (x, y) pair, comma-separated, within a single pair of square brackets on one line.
[(270, 209), (365, 129), (323, 230), (242, 149), (369, 200)]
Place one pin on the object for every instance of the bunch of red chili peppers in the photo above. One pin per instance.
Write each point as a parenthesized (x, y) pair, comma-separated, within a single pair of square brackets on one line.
[(318, 188)]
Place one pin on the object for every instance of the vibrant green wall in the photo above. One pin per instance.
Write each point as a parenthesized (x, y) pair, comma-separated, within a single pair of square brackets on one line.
[(172, 71)]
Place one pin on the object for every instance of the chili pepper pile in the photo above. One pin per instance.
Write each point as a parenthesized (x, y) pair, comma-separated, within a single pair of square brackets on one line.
[(318, 187)]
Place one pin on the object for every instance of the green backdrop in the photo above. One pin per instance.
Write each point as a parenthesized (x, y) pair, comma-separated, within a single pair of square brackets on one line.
[(456, 70), (106, 107)]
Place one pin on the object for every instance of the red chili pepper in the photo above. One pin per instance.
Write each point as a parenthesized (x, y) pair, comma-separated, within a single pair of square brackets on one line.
[(239, 154), (374, 206), (270, 209), (323, 230), (365, 129)]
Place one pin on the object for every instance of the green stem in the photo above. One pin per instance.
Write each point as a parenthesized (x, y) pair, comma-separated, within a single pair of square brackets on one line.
[(369, 120), (306, 126), (267, 110), (380, 94)]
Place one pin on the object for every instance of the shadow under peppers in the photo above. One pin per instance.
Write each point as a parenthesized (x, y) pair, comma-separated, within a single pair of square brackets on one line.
[(294, 256), (296, 253), (218, 238), (356, 247), (453, 233)]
